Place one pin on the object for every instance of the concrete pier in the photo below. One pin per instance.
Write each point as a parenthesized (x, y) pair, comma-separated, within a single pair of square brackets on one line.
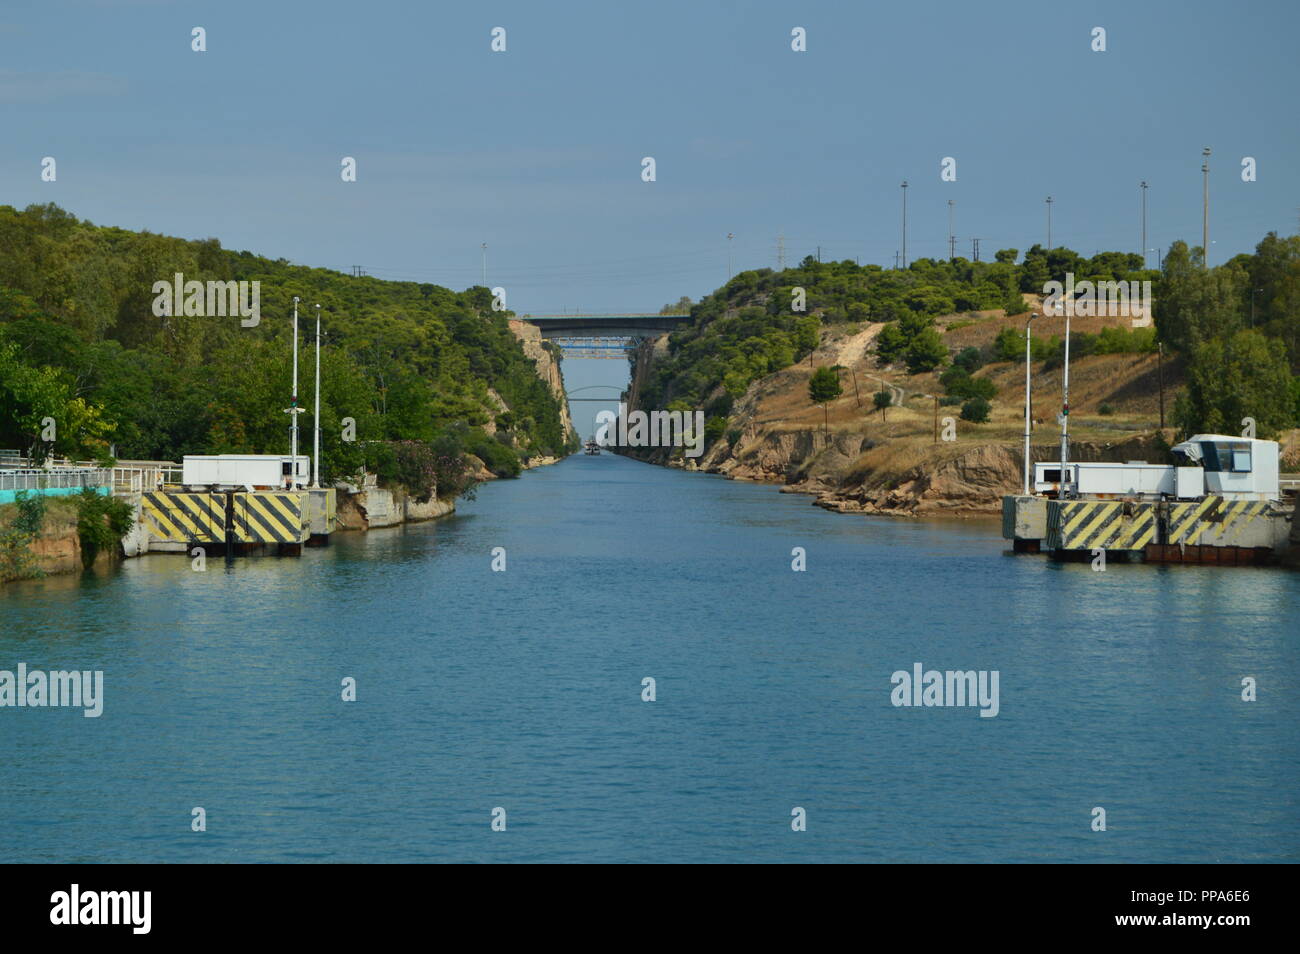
[(1213, 529)]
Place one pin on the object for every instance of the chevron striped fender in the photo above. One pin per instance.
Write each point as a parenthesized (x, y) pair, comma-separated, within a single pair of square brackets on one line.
[(185, 517), (1099, 524), (1216, 521), (270, 517)]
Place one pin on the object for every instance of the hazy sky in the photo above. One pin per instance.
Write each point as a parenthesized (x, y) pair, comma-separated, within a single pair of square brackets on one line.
[(537, 151)]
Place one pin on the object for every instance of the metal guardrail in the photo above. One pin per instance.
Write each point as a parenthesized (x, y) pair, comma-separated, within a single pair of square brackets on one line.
[(18, 473), (135, 480), (41, 479)]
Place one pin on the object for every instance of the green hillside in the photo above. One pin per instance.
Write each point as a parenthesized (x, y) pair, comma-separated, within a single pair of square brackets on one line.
[(410, 363)]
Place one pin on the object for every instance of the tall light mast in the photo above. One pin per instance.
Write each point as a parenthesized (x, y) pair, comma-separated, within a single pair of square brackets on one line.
[(293, 410), (1028, 429), (1065, 403), (315, 444)]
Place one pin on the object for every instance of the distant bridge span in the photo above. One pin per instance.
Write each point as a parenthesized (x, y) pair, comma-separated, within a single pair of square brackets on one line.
[(606, 326), (603, 336)]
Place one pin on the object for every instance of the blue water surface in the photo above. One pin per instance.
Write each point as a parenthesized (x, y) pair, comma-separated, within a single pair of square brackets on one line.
[(522, 690)]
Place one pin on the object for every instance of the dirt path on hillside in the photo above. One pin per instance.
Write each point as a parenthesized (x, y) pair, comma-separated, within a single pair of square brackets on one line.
[(853, 348)]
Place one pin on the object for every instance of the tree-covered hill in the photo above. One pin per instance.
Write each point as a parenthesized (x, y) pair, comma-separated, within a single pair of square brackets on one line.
[(754, 325), (1237, 325), (408, 362)]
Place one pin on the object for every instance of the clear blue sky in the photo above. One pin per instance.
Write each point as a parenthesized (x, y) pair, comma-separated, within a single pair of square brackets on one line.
[(537, 150)]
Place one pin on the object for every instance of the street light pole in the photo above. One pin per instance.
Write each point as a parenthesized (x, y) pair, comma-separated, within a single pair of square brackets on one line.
[(293, 404), (484, 247), (730, 236), (315, 442), (1205, 208), (1065, 405), (1028, 421), (1144, 224), (1049, 223)]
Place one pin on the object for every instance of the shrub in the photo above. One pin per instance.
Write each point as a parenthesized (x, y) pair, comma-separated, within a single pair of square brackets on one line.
[(450, 468), (16, 559), (969, 359), (824, 385), (102, 521), (714, 427), (926, 352), (958, 383), (976, 410), (496, 457), (1009, 345), (890, 343)]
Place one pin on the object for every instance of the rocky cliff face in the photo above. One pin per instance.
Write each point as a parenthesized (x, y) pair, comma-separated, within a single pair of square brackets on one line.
[(374, 507), (58, 548), (853, 474), (548, 369), (862, 467)]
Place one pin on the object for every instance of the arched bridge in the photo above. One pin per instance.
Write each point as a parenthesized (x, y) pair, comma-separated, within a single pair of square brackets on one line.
[(603, 336)]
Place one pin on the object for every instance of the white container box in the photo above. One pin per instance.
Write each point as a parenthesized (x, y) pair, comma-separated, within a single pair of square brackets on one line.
[(1189, 483), (1099, 479), (237, 471)]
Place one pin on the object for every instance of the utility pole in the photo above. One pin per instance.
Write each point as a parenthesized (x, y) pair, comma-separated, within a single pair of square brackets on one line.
[(315, 443), (484, 247), (975, 249), (730, 236), (780, 252), (951, 238), (1049, 223), (904, 187), (1144, 224), (1205, 208)]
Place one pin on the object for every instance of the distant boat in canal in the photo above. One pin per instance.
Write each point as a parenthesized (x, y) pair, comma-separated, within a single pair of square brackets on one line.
[(593, 448)]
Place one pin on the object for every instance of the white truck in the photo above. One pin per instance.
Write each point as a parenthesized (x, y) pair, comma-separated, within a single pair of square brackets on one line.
[(245, 471)]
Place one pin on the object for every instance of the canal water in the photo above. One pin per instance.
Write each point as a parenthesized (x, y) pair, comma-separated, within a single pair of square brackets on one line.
[(522, 690)]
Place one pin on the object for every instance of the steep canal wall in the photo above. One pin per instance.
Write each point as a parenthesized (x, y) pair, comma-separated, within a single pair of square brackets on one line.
[(58, 548)]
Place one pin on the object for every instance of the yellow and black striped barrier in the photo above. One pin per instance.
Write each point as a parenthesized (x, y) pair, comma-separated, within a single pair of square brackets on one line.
[(185, 517), (270, 517), (1100, 524), (1214, 520), (250, 518), (1128, 525)]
